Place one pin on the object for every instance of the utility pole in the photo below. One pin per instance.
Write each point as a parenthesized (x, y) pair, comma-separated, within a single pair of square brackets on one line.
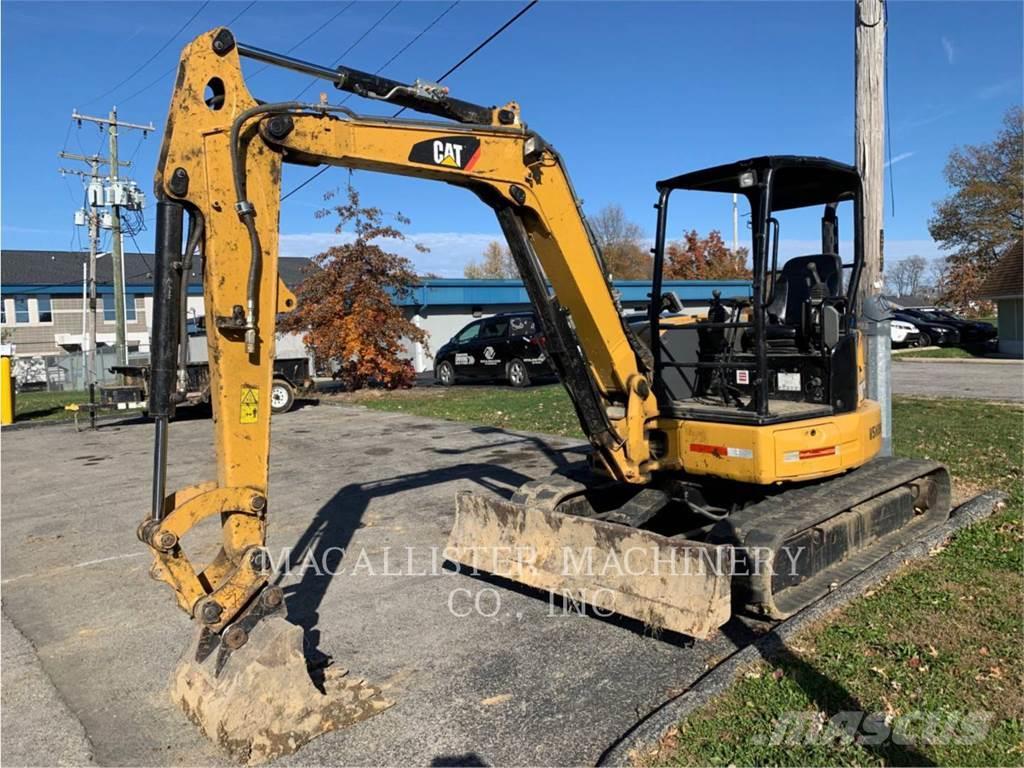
[(90, 216), (735, 223), (118, 199), (869, 150), (118, 256)]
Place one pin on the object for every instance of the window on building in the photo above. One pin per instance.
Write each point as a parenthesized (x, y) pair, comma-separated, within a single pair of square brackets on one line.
[(110, 312), (3, 311), (21, 309), (45, 309)]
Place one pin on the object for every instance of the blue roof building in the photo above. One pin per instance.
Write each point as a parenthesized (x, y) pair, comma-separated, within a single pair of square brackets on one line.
[(42, 301)]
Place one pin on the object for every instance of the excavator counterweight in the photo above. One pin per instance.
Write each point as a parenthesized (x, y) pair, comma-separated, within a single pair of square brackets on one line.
[(733, 459)]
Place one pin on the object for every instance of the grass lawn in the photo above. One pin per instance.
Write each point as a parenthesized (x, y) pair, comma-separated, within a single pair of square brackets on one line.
[(943, 638), (941, 352), (535, 409), (46, 406)]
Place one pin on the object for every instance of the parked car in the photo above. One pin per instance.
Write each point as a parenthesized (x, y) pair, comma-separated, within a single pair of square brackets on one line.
[(973, 333), (931, 332), (507, 347), (903, 334)]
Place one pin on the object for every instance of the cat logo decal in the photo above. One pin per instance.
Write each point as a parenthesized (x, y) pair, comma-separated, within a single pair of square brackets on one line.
[(460, 152)]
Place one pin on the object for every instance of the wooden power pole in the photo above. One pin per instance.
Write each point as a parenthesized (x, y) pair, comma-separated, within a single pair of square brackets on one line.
[(869, 141), (870, 136), (91, 216), (118, 200)]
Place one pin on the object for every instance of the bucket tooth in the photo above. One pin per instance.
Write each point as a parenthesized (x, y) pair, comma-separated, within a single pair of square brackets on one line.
[(678, 585), (262, 704)]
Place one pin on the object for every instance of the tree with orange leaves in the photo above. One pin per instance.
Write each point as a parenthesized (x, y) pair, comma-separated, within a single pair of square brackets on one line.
[(704, 258), (346, 308)]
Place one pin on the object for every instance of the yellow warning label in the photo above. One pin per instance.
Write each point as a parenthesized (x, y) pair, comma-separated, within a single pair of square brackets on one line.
[(250, 405)]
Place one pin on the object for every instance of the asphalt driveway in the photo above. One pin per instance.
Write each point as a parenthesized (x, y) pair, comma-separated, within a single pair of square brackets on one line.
[(526, 685), (997, 380)]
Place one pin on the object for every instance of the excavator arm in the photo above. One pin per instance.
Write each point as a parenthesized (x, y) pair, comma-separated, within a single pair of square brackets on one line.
[(221, 164)]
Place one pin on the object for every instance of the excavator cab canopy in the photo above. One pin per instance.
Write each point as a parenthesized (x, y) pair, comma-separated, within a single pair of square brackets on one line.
[(789, 353), (806, 181)]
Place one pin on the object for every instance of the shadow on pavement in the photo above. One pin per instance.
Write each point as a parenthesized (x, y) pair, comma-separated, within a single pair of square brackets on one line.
[(331, 530), (469, 759)]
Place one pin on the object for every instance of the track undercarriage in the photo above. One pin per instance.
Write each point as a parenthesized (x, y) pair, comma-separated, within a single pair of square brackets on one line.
[(674, 556)]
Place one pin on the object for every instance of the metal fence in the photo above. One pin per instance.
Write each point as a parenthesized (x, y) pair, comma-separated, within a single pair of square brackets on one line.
[(67, 372)]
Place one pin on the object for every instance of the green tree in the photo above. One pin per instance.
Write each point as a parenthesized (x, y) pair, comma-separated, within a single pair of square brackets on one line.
[(346, 307), (984, 213), (496, 264)]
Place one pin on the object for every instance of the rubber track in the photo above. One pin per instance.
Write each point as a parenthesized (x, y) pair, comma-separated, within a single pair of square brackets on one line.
[(770, 522)]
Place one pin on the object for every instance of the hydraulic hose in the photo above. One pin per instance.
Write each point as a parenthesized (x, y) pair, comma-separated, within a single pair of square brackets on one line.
[(247, 213), (245, 209)]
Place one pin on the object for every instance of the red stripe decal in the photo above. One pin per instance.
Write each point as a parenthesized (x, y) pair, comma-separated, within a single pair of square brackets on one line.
[(714, 450), (815, 453), (472, 160)]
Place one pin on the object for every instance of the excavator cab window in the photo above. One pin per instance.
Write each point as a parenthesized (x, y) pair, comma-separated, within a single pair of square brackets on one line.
[(789, 351)]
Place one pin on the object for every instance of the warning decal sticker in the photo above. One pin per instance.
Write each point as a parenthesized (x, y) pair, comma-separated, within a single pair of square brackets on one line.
[(250, 405)]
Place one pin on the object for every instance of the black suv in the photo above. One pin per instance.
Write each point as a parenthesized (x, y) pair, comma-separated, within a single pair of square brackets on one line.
[(509, 347), (973, 333), (941, 334)]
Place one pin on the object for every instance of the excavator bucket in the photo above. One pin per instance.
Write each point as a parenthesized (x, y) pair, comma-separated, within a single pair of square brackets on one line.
[(258, 701), (668, 584)]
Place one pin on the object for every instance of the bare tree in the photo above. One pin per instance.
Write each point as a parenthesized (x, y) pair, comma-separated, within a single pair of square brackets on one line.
[(496, 264), (622, 244), (938, 275), (906, 276)]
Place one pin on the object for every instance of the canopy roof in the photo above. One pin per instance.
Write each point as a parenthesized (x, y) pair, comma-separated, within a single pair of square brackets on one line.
[(799, 182)]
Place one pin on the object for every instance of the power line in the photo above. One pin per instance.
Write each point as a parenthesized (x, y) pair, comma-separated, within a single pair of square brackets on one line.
[(306, 38), (408, 45), (348, 50), (164, 75), (461, 61), (140, 254), (480, 47), (138, 146), (150, 60)]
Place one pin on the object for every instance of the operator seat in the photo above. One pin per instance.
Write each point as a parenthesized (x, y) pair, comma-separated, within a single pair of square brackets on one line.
[(794, 287)]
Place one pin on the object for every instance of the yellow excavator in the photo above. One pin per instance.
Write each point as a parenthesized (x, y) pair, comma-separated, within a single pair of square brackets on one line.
[(734, 462)]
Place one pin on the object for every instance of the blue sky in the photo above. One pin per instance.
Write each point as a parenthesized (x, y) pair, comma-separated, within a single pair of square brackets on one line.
[(628, 92)]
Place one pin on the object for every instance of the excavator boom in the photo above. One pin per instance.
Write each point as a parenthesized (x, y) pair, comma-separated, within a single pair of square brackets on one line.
[(220, 164)]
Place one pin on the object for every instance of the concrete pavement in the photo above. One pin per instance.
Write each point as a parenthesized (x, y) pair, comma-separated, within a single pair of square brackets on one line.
[(515, 682), (36, 728), (1001, 380)]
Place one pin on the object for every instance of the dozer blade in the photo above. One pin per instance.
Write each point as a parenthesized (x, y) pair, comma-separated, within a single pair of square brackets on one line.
[(258, 701), (672, 584)]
